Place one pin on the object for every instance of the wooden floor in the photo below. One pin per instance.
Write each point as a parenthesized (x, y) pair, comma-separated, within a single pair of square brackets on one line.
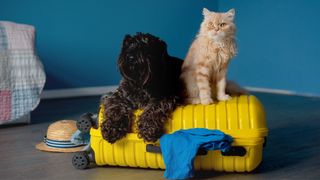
[(292, 152)]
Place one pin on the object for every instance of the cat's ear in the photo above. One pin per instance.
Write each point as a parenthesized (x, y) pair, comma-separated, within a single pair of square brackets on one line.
[(231, 13), (126, 40), (205, 12)]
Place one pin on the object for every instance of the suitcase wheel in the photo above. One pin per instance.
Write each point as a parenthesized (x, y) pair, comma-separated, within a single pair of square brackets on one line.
[(85, 122), (81, 160)]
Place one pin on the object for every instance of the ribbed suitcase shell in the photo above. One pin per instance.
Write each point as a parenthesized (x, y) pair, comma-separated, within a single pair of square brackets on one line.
[(242, 117)]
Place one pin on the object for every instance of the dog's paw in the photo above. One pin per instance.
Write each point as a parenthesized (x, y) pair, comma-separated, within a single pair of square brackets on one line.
[(149, 134), (149, 129), (113, 131)]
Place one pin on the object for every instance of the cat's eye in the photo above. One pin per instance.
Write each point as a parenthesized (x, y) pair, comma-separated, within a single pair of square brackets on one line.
[(210, 24), (222, 24)]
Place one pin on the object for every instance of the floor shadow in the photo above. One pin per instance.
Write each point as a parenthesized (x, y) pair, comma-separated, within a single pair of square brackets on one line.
[(290, 146)]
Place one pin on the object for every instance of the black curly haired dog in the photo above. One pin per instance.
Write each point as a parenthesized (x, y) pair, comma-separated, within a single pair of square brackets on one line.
[(150, 82)]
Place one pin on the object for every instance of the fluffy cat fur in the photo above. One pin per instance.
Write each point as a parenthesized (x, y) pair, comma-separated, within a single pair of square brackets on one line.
[(205, 66)]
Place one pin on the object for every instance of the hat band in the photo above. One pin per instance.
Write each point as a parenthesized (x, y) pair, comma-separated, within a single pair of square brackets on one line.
[(59, 144)]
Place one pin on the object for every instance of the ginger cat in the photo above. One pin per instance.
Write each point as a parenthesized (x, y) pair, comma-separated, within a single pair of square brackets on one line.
[(205, 66)]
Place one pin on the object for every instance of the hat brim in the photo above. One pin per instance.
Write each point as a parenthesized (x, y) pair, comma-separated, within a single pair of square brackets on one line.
[(43, 147)]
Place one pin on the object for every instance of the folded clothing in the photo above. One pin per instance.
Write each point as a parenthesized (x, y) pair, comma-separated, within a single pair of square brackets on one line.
[(22, 75), (180, 148)]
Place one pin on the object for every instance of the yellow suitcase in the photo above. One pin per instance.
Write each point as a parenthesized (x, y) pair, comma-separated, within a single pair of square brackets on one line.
[(242, 117)]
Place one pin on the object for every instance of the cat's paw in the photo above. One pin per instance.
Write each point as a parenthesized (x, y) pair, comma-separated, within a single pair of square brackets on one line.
[(224, 97), (195, 101), (206, 101), (192, 101)]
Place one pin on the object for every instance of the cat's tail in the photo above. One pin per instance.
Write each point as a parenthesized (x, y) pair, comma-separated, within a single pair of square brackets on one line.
[(234, 89)]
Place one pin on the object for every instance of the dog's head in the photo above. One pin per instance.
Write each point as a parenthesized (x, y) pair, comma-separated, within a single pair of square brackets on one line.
[(142, 58)]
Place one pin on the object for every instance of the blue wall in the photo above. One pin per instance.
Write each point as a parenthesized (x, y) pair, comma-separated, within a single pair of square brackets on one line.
[(279, 44), (79, 40)]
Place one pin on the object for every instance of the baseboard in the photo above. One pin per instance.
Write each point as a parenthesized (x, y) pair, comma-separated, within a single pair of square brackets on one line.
[(100, 90), (273, 91), (77, 92), (280, 91)]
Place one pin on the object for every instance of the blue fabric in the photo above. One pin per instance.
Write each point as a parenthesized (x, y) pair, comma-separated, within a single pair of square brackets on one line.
[(59, 144), (180, 148), (79, 138)]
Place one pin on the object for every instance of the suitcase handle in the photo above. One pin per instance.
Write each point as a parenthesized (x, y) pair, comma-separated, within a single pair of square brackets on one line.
[(233, 151), (156, 149)]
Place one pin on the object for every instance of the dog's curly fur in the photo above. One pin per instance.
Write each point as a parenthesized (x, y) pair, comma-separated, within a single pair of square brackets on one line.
[(150, 81)]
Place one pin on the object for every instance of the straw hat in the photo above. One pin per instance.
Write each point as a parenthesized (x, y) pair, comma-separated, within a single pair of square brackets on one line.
[(58, 137)]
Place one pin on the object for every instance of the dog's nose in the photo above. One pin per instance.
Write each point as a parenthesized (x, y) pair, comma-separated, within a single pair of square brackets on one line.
[(131, 58)]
